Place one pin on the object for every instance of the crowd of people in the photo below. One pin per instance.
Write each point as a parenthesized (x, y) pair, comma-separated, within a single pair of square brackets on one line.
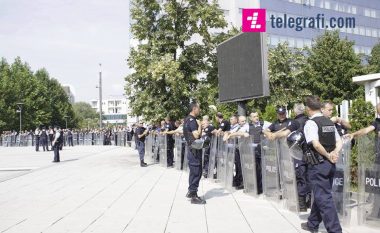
[(314, 129), (318, 133)]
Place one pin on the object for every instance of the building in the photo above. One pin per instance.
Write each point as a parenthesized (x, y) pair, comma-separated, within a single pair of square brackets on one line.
[(69, 90), (115, 110), (366, 13)]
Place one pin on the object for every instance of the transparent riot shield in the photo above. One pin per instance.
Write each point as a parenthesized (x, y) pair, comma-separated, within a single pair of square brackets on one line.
[(248, 165), (288, 177), (163, 150), (369, 181), (221, 160), (230, 162), (186, 161), (270, 170), (149, 149), (212, 158), (341, 185), (178, 151)]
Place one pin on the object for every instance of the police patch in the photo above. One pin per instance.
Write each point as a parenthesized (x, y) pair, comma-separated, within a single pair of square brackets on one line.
[(222, 124), (328, 129)]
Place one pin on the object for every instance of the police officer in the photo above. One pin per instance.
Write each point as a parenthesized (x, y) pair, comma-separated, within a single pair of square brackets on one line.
[(141, 133), (57, 141), (70, 137), (170, 141), (37, 134), (44, 139), (300, 167), (281, 123), (325, 143), (207, 131), (224, 125), (192, 130), (341, 125)]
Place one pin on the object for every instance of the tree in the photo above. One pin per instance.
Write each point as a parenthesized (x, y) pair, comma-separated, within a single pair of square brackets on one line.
[(44, 100), (333, 63), (374, 60), (86, 115), (175, 48), (286, 75)]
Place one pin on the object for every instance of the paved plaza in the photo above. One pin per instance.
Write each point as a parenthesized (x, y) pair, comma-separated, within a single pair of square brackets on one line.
[(103, 189)]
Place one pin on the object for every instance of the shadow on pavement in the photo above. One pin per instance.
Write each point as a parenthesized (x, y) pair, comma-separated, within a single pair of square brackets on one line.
[(215, 192)]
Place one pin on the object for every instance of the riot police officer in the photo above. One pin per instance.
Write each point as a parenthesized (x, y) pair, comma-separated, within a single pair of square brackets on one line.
[(224, 125), (44, 139), (300, 167), (325, 144), (207, 132), (37, 134), (70, 137), (170, 141), (341, 125), (192, 130), (141, 133), (57, 142)]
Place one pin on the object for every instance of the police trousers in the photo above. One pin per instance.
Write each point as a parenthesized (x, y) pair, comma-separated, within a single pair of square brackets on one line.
[(195, 166), (303, 187), (323, 209), (141, 149)]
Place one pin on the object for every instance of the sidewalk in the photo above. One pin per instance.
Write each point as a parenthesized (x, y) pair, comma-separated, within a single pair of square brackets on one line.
[(103, 189)]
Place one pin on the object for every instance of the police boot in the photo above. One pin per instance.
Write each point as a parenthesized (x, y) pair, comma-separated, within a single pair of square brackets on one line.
[(302, 203), (142, 164), (306, 227), (197, 200)]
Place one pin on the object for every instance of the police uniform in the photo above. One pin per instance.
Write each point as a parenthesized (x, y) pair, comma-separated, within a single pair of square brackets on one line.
[(44, 142), (58, 138), (300, 167), (70, 138), (224, 125), (256, 130), (170, 144), (37, 134), (194, 156), (140, 144), (207, 135), (321, 174), (238, 178)]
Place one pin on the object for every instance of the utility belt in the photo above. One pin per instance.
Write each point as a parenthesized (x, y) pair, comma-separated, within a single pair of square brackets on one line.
[(312, 157)]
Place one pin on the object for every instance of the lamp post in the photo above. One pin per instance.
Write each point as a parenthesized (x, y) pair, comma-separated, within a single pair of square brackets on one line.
[(100, 96), (19, 105)]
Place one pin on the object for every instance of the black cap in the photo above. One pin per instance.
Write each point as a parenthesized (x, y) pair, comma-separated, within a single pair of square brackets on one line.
[(281, 110)]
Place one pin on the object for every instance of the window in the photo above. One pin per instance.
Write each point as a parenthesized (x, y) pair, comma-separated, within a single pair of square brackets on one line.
[(374, 33), (299, 43), (367, 12), (283, 39), (353, 10), (373, 13), (274, 40), (368, 32), (291, 42), (362, 31), (327, 4), (307, 43), (356, 30)]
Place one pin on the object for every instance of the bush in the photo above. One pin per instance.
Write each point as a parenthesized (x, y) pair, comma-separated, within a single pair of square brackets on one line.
[(270, 113)]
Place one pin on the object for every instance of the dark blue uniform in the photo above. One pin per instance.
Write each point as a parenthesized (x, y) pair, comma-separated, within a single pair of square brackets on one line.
[(140, 142), (194, 156), (300, 168), (321, 178), (207, 137), (170, 144)]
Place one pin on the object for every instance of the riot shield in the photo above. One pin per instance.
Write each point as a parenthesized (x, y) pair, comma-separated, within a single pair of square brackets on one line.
[(369, 180), (288, 177), (212, 158), (221, 160), (163, 150), (270, 170), (341, 184), (177, 151), (230, 162), (248, 165)]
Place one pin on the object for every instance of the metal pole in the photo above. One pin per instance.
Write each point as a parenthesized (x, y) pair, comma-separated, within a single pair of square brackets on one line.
[(100, 96), (242, 108), (20, 119), (66, 122)]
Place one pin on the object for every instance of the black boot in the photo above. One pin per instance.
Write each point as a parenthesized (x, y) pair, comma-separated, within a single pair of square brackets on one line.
[(302, 203), (306, 227), (142, 164), (197, 200)]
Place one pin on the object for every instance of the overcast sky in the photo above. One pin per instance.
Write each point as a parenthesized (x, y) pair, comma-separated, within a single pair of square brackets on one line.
[(69, 38)]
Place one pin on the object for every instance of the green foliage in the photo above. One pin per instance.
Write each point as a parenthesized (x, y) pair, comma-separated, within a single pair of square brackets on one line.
[(374, 60), (270, 113), (362, 114), (45, 101), (86, 115), (286, 75), (333, 63), (167, 64)]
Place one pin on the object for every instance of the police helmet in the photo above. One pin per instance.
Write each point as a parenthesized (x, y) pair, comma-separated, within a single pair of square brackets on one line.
[(295, 138)]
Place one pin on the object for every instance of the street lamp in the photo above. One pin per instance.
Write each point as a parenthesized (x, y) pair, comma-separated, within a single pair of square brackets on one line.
[(66, 119), (100, 96), (19, 105)]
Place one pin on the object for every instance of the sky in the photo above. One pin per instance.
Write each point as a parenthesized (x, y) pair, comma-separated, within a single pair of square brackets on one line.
[(70, 38)]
